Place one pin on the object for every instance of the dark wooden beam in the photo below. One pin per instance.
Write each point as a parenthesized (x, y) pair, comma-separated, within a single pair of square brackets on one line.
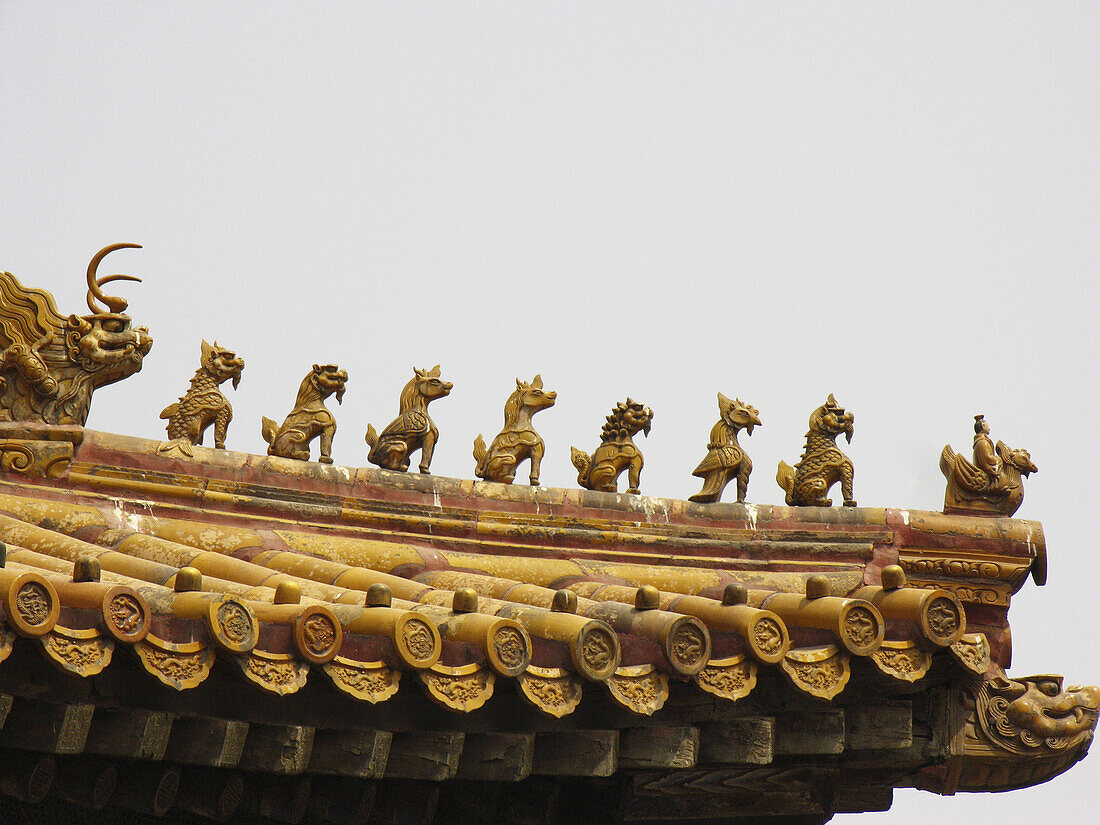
[(534, 801), (282, 799), (351, 752), (658, 747), (87, 781), (576, 753), (341, 801), (198, 740), (746, 741), (432, 755), (27, 776), (809, 732), (46, 727), (283, 749), (879, 726), (497, 757), (405, 802), (130, 733), (148, 788), (213, 793)]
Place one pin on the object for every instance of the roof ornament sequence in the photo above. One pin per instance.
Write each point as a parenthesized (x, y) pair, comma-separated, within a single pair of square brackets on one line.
[(50, 365)]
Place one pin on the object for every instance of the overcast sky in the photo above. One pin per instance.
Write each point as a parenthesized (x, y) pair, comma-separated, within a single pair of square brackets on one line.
[(894, 202)]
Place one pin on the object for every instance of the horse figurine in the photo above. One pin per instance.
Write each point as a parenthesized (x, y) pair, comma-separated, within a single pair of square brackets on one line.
[(617, 451), (822, 464), (413, 429), (993, 483), (310, 417), (725, 459), (518, 440)]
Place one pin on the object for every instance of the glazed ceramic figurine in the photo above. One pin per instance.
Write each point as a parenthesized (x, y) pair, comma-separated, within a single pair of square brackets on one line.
[(822, 464), (993, 483), (50, 364), (310, 418), (204, 403), (617, 451), (413, 429), (518, 441), (725, 459)]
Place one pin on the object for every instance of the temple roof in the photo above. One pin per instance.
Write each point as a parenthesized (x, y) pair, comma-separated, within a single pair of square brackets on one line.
[(487, 632)]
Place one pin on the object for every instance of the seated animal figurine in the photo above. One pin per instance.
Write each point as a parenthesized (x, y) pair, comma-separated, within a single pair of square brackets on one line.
[(413, 429), (725, 459), (617, 451), (309, 418), (518, 440), (204, 404), (993, 483), (822, 464)]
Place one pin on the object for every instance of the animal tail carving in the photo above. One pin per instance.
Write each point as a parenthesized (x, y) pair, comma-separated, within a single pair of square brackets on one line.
[(947, 460), (581, 461), (481, 455), (785, 477), (268, 430), (170, 410), (371, 437)]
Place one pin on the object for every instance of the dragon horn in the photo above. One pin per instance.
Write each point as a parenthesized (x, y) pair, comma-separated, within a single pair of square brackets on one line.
[(95, 291)]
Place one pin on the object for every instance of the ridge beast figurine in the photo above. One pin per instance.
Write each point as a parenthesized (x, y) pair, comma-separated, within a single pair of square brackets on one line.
[(617, 451), (725, 460), (518, 440), (822, 464), (413, 428), (51, 364), (204, 404), (993, 483), (309, 418)]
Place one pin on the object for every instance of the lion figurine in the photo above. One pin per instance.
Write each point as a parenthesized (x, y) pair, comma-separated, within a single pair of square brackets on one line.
[(204, 403), (518, 441), (725, 459), (51, 364), (822, 464), (617, 451), (310, 418), (413, 429)]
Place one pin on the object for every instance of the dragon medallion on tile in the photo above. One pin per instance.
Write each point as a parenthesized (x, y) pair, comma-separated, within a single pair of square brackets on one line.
[(554, 691), (463, 688), (902, 660), (275, 672), (83, 652), (820, 671), (180, 666), (641, 688), (732, 678), (367, 681)]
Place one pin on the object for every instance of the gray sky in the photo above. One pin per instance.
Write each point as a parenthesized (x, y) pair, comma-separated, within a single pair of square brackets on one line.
[(894, 202)]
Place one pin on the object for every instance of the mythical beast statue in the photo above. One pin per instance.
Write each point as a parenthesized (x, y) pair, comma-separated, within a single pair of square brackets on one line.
[(518, 440), (822, 464), (49, 364), (1011, 733), (204, 403), (310, 417), (413, 429), (617, 451), (725, 459)]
